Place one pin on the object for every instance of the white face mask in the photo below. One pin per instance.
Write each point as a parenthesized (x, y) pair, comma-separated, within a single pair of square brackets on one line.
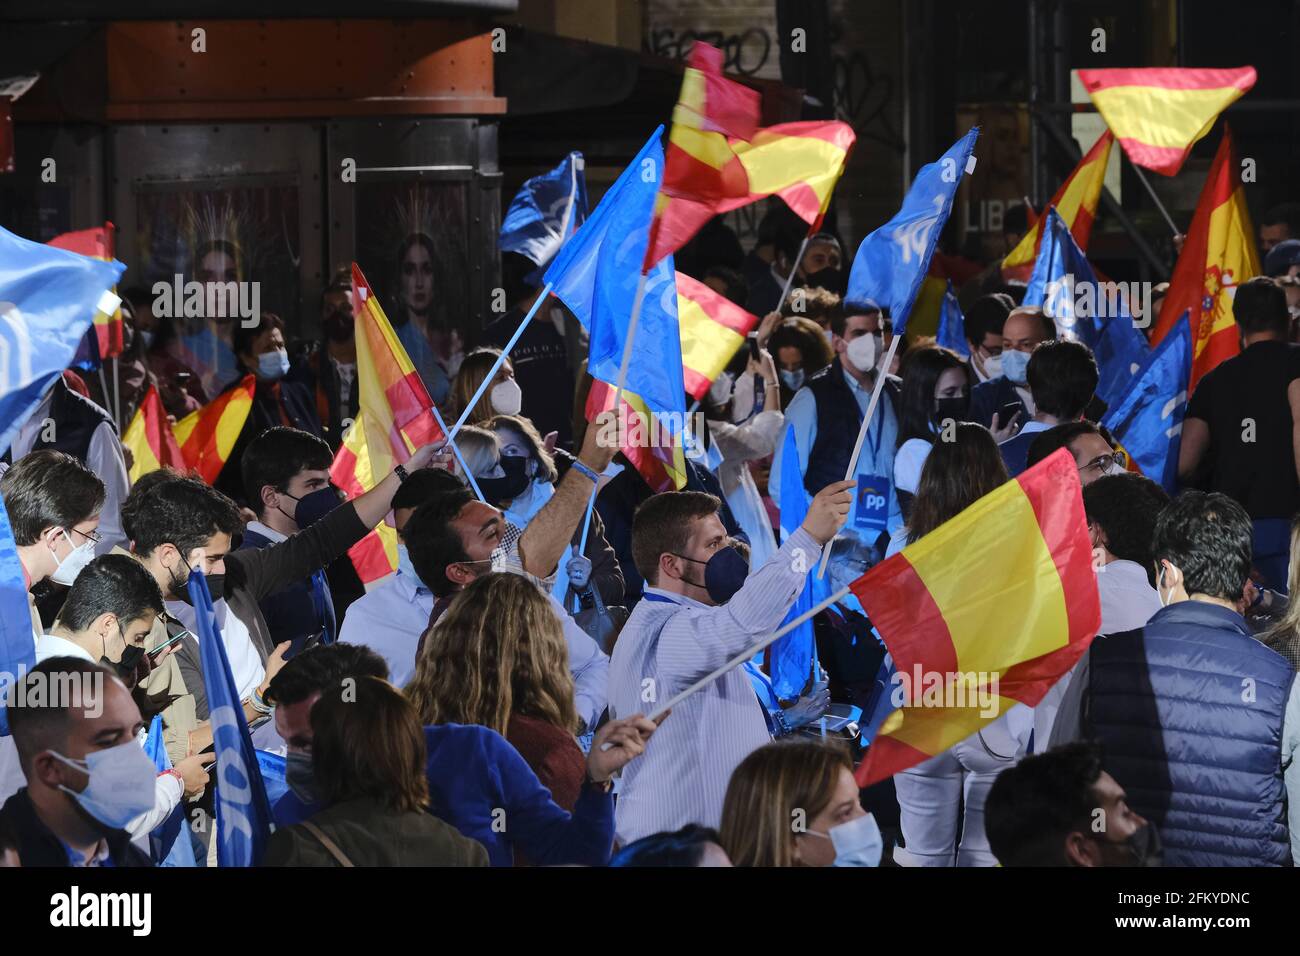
[(121, 783), (71, 566), (863, 352), (993, 366), (507, 397), (857, 842)]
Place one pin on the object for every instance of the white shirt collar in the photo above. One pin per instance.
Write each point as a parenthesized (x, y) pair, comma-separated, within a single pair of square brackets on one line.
[(51, 645), (266, 531)]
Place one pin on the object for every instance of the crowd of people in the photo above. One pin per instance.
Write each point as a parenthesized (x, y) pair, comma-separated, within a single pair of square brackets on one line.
[(500, 698)]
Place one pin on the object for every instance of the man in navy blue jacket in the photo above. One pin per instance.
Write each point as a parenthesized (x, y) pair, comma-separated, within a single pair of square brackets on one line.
[(1198, 720), (1062, 377)]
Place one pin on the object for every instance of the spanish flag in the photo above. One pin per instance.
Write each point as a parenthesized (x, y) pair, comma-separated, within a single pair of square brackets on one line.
[(700, 165), (207, 436), (987, 611), (712, 329), (1218, 255), (1075, 202), (97, 244), (1159, 113), (150, 438), (654, 451), (395, 416)]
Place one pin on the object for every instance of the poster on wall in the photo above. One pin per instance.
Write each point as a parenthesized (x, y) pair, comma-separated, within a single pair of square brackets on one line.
[(240, 243)]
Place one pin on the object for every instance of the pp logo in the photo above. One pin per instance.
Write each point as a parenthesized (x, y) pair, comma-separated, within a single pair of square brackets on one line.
[(871, 499)]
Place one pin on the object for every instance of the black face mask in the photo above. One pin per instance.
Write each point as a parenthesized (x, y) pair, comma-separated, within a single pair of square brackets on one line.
[(131, 654), (956, 408), (1143, 848), (510, 485), (832, 280), (180, 588), (724, 574), (340, 326), (310, 508)]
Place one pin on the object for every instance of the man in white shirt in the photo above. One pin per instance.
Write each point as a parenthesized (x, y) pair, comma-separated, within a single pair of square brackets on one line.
[(390, 618), (700, 610)]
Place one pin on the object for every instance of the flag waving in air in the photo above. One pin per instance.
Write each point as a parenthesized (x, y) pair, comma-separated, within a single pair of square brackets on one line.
[(1064, 285), (243, 811), (150, 438), (207, 436), (104, 341), (1160, 113), (395, 416), (952, 324), (1148, 418), (49, 298), (545, 212), (987, 611), (655, 451), (712, 329), (1075, 202), (1218, 255), (893, 260)]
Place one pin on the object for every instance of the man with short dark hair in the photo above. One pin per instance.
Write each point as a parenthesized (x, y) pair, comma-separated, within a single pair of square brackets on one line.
[(390, 617), (1278, 224), (1087, 443), (1283, 260), (1199, 719), (983, 329), (107, 616), (287, 476), (1241, 432), (1043, 812), (1062, 377), (328, 368), (701, 608), (75, 727)]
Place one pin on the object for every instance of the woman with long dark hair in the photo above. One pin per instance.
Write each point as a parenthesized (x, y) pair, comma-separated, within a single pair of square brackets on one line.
[(935, 391), (435, 350)]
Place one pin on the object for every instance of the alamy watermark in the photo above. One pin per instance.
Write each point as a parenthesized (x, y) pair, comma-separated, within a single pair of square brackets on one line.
[(950, 689), (208, 300), (54, 689)]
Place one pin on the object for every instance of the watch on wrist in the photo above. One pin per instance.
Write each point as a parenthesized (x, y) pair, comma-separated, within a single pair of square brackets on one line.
[(401, 473), (588, 781)]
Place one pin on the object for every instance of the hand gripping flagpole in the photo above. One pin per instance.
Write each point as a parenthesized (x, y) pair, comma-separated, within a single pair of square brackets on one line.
[(743, 656), (881, 374), (496, 367), (455, 450)]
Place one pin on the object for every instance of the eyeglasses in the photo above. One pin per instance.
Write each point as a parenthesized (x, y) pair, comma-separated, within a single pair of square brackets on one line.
[(92, 536), (1102, 463)]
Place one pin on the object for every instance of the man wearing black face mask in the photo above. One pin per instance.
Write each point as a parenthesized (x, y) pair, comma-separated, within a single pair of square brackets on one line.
[(698, 611), (286, 474), (1061, 808), (329, 367)]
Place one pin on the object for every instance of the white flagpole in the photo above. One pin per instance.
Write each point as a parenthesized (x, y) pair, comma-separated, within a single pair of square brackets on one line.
[(794, 267), (881, 373)]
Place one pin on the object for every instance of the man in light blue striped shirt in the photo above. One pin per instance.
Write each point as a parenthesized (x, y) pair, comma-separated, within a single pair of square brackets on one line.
[(691, 621)]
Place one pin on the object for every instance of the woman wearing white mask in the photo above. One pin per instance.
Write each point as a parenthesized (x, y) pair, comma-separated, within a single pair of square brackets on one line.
[(741, 444), (503, 397), (794, 802), (516, 473)]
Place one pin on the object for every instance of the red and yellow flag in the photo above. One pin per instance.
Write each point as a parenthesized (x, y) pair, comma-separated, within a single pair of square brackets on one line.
[(987, 611), (701, 168), (1218, 255), (1075, 202), (1159, 113), (394, 417), (150, 438), (654, 451), (97, 244), (712, 329), (207, 436)]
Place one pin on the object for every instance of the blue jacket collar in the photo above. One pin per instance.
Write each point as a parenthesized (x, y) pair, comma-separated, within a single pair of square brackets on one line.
[(1201, 614)]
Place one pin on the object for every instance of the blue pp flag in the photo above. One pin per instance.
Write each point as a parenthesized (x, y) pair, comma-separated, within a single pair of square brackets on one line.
[(952, 324), (48, 300), (1148, 418), (545, 212), (17, 644), (596, 276), (893, 261), (170, 840), (790, 660), (1095, 313), (243, 810), (273, 778)]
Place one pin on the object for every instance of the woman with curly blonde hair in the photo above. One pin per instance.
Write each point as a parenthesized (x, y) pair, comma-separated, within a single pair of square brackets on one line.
[(498, 658)]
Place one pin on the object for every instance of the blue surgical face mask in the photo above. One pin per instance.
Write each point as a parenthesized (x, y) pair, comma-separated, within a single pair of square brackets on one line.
[(121, 783), (857, 843), (273, 365), (793, 378), (1015, 365), (300, 777)]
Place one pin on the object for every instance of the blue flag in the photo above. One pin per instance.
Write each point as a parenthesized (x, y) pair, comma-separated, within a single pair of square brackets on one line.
[(243, 811), (545, 212), (892, 262), (791, 656), (596, 276), (1148, 418), (1065, 286), (952, 324), (169, 841), (48, 300), (17, 643)]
